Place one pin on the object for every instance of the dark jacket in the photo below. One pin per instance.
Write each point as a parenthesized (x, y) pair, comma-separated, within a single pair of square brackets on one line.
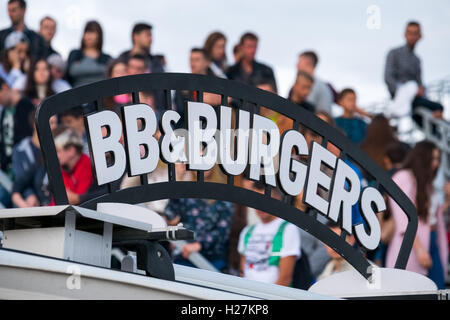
[(30, 175), (260, 74), (402, 65), (77, 55), (38, 47), (22, 128), (155, 63)]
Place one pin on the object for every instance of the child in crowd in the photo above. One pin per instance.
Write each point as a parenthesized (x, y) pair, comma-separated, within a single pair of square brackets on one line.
[(354, 127), (73, 119), (75, 166), (337, 263), (269, 249)]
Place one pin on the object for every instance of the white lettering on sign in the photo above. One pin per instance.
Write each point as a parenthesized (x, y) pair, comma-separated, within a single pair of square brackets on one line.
[(258, 148), (370, 195), (172, 145), (237, 166), (141, 137), (292, 139), (264, 144), (101, 145), (342, 198), (316, 177), (202, 126)]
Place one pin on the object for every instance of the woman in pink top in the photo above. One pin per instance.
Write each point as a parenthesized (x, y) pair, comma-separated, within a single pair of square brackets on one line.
[(430, 253)]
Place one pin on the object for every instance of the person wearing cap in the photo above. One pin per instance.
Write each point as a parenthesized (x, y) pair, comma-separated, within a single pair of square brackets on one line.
[(16, 12), (57, 68), (14, 58), (75, 165)]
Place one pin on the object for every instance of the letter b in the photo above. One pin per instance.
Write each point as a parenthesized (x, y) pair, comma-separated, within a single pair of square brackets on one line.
[(100, 146)]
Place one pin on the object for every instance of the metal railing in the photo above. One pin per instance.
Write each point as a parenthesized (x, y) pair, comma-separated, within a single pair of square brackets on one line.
[(408, 131), (437, 131)]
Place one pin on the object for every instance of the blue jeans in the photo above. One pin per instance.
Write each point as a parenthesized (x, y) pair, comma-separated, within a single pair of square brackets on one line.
[(5, 197), (436, 273), (427, 104)]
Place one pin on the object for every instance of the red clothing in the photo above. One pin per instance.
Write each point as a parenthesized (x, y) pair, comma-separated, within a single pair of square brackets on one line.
[(79, 180)]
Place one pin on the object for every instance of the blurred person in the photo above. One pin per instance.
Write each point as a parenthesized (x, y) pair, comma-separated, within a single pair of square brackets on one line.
[(15, 60), (30, 187), (88, 64), (199, 64), (395, 154), (199, 61), (209, 219), (142, 38), (214, 48), (269, 249), (58, 69), (236, 53), (284, 123), (74, 119), (136, 64), (247, 69), (320, 95), (75, 165), (446, 209), (301, 90), (378, 135), (337, 263), (117, 68), (14, 124), (403, 77), (354, 127), (16, 12), (429, 255), (47, 30), (313, 248), (39, 82)]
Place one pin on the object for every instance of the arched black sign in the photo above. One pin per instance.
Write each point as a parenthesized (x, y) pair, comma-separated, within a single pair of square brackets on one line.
[(249, 99)]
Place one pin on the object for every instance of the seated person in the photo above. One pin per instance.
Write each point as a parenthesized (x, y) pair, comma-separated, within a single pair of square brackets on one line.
[(73, 119), (354, 127), (209, 219), (76, 166), (269, 249), (30, 188), (301, 89), (337, 263)]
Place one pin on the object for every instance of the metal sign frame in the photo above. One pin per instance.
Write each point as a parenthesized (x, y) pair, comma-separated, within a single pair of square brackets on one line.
[(250, 99)]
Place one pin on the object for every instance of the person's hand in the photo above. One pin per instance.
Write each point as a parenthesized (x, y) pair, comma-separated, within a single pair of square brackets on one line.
[(26, 65), (421, 91), (189, 248), (73, 198), (13, 57), (175, 221), (32, 201), (424, 258)]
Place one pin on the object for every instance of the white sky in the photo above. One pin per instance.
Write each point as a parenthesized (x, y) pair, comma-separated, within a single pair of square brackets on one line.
[(351, 54)]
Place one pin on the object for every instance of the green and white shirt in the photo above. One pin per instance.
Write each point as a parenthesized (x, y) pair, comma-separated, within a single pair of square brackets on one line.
[(264, 244)]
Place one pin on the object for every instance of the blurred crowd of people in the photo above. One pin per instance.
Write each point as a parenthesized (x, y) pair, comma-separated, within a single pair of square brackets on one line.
[(235, 239)]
